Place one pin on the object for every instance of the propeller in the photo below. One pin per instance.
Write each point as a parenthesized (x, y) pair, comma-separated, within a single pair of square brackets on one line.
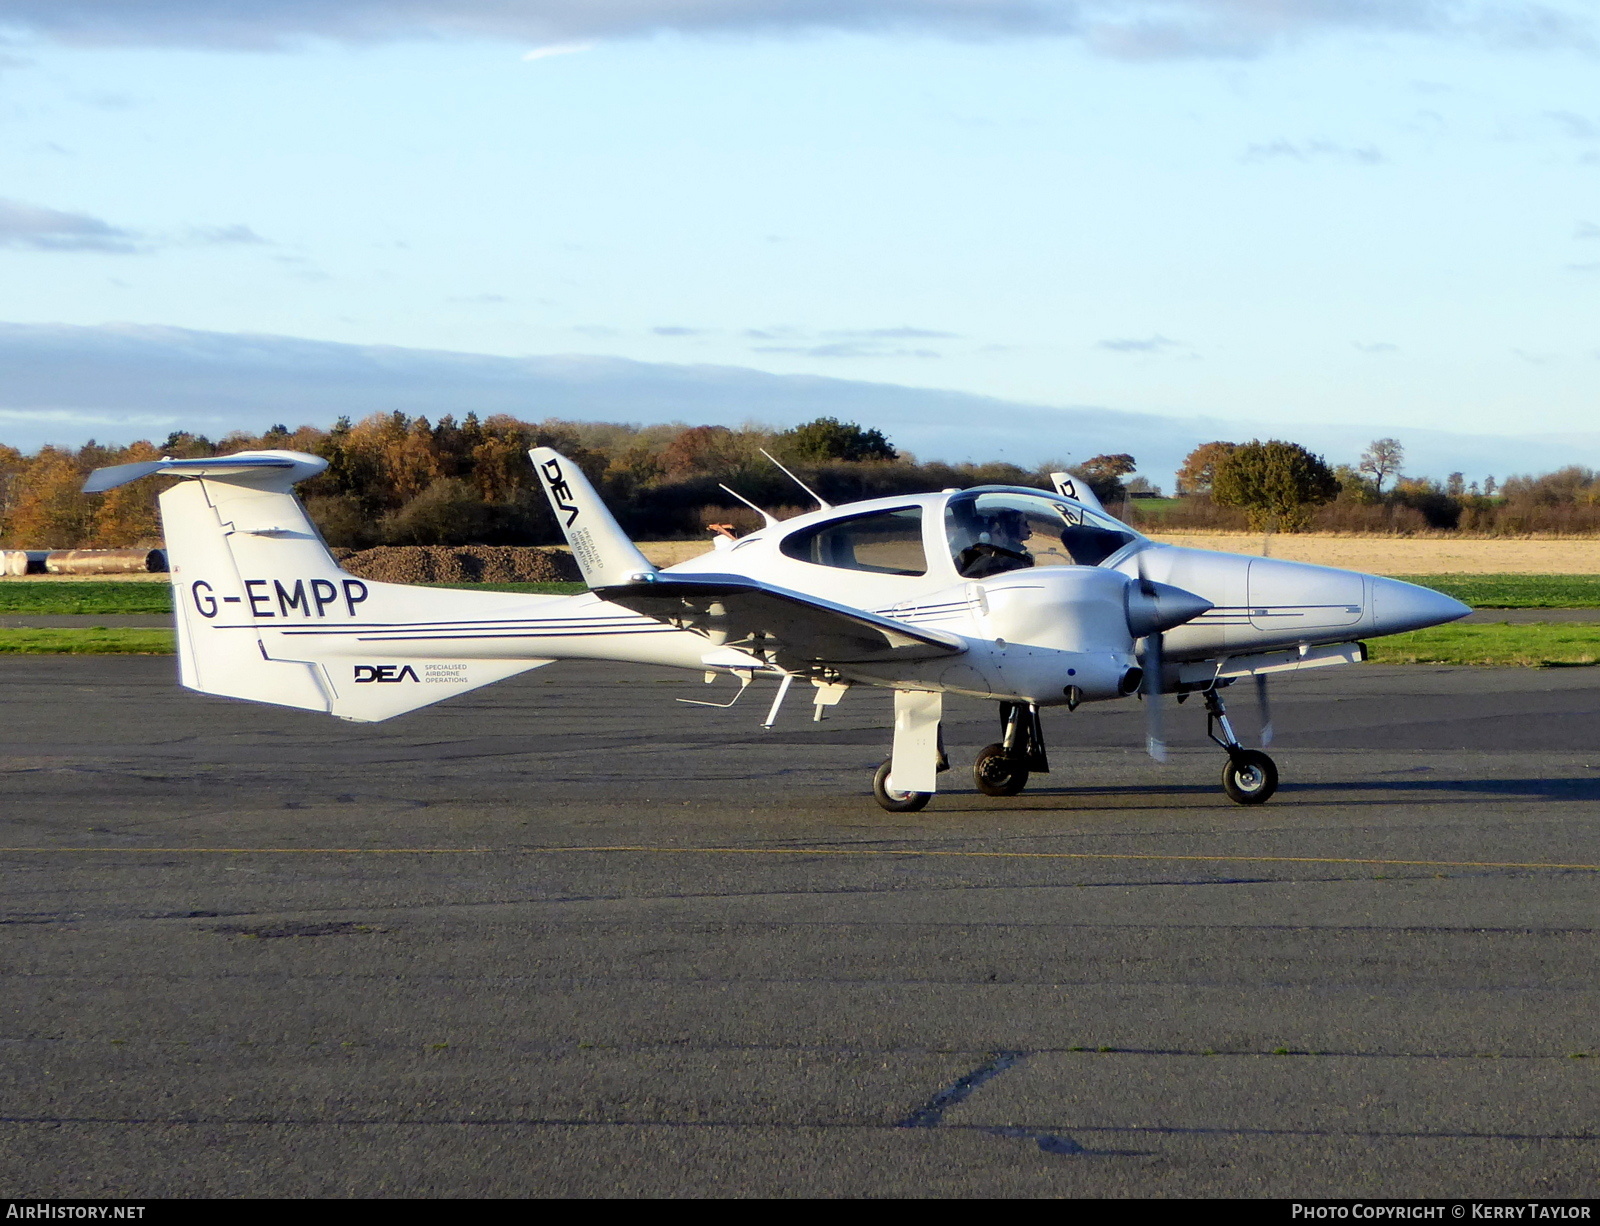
[(1153, 609)]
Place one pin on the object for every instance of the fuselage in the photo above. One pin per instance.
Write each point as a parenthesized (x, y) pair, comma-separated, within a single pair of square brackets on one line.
[(1035, 585)]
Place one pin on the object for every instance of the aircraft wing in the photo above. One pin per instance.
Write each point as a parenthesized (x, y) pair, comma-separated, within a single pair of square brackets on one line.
[(791, 630)]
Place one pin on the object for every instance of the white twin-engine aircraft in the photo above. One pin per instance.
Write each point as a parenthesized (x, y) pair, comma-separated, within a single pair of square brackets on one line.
[(1011, 594)]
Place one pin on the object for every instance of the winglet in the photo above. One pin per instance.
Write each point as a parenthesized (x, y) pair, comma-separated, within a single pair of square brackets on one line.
[(603, 551)]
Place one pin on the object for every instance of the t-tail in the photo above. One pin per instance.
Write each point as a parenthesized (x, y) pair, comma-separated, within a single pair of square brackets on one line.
[(264, 612)]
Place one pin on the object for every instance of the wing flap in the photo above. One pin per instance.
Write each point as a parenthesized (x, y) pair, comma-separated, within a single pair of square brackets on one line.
[(791, 630)]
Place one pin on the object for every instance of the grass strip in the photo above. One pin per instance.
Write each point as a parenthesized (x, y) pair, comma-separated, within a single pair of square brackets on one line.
[(41, 596), (1515, 591), (89, 641), (1538, 645)]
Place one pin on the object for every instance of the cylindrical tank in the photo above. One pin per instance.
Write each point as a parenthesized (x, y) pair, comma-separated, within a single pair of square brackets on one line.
[(105, 561), (23, 561)]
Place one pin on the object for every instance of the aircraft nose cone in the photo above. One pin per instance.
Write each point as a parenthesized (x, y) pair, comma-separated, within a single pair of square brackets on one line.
[(1401, 606), (1154, 607)]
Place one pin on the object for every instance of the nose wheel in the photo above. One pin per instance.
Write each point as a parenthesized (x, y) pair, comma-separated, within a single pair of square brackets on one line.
[(1250, 776), (1000, 772)]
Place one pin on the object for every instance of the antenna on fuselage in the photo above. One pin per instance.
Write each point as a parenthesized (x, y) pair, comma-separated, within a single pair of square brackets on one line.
[(822, 503), (772, 520)]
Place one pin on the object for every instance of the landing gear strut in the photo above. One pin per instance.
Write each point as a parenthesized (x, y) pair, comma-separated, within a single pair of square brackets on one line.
[(1250, 776), (1002, 769)]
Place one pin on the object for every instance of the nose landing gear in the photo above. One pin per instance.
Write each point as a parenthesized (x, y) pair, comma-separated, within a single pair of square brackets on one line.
[(1250, 776), (1002, 769)]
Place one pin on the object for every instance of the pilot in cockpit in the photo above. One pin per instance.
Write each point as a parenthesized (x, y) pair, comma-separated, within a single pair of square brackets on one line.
[(995, 541)]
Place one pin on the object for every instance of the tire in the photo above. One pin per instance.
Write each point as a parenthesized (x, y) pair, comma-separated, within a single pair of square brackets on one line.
[(998, 773), (1250, 777), (896, 802)]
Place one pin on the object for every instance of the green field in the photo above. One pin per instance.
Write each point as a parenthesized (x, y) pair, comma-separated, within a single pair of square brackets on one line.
[(1515, 591), (41, 596), (1541, 645)]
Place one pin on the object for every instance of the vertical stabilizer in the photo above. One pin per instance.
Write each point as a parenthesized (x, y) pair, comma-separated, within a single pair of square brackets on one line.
[(602, 549), (1077, 489)]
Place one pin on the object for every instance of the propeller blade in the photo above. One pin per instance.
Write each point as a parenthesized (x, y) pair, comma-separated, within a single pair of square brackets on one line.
[(1150, 685), (1265, 706)]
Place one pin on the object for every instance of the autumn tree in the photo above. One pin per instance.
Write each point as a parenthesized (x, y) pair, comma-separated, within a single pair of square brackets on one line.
[(1382, 459), (702, 451), (1199, 469), (1275, 483), (129, 514), (49, 509)]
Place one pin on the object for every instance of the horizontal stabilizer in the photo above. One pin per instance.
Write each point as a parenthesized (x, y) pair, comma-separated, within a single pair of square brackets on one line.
[(785, 628), (277, 470)]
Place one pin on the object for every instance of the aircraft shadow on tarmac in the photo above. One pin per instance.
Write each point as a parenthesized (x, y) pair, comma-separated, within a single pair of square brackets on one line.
[(1465, 789)]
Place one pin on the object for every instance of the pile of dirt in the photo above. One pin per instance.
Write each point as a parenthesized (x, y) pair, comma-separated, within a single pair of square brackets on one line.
[(460, 564)]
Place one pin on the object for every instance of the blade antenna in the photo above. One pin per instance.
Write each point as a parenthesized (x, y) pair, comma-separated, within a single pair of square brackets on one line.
[(1150, 684), (772, 520), (822, 503), (1266, 710)]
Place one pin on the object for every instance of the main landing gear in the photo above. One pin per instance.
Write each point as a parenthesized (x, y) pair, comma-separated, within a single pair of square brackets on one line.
[(1250, 776)]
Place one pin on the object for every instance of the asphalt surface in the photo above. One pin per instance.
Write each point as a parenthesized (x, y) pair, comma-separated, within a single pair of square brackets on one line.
[(250, 951)]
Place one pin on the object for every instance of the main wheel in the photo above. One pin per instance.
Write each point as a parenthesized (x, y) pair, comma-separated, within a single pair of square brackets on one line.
[(1250, 777), (998, 773), (893, 800)]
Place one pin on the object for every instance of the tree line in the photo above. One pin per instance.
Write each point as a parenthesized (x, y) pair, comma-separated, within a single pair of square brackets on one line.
[(1283, 487), (399, 480)]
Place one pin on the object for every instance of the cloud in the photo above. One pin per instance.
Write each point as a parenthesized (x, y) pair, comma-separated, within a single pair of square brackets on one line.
[(847, 349), (33, 227), (1128, 29), (1154, 344), (1586, 229), (1367, 155), (678, 330), (1376, 347), (544, 53), (224, 236), (1574, 126), (848, 342)]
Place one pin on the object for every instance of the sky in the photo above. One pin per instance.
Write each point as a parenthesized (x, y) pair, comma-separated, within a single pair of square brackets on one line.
[(1374, 214)]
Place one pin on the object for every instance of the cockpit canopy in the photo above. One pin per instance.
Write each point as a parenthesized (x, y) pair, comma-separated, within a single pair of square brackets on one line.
[(993, 532), (988, 532)]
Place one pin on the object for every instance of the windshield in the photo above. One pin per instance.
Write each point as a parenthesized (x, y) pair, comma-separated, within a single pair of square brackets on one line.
[(993, 533)]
